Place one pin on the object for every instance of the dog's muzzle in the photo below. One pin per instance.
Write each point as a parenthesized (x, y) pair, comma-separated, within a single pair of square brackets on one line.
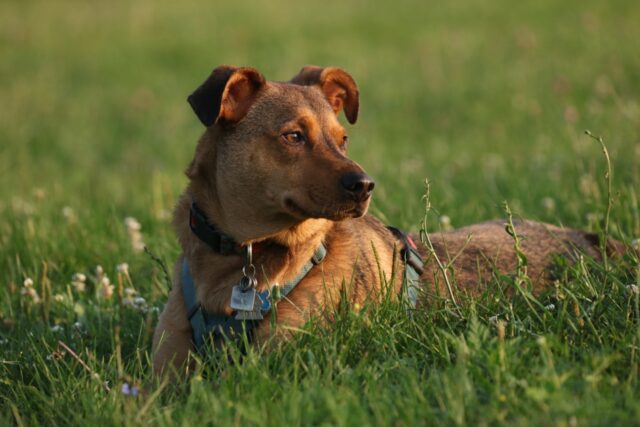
[(357, 186)]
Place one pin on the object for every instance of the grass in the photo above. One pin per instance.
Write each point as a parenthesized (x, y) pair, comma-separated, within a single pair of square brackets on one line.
[(488, 100)]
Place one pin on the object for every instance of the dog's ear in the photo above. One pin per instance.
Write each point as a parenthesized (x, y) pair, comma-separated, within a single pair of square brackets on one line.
[(226, 95), (337, 85)]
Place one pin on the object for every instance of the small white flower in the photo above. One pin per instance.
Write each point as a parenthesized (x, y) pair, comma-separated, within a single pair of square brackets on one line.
[(56, 329), (550, 307), (494, 319), (79, 286), (123, 268), (106, 288), (58, 297), (132, 224), (445, 223), (77, 325), (140, 304), (129, 292), (135, 236), (69, 214), (549, 204), (29, 291), (78, 282), (99, 271)]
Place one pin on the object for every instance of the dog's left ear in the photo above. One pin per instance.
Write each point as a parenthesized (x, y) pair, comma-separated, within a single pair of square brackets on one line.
[(226, 95), (337, 85)]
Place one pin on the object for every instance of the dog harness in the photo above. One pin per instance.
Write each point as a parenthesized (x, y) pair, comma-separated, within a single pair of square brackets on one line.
[(219, 327)]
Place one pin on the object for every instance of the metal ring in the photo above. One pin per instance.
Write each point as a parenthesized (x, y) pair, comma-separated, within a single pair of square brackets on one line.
[(248, 260), (252, 271)]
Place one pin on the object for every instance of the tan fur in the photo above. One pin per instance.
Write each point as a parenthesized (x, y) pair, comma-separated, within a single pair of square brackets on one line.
[(256, 187)]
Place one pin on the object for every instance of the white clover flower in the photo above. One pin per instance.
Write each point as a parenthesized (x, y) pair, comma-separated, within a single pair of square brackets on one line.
[(549, 204), (550, 307), (140, 304), (123, 268), (78, 282), (106, 288), (69, 214), (29, 291), (445, 222), (135, 236), (79, 286), (132, 224)]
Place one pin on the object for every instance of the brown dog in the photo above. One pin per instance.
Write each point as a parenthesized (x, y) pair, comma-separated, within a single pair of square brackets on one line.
[(271, 170)]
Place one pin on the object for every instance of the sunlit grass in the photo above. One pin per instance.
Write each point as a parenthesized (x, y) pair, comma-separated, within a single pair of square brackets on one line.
[(488, 100)]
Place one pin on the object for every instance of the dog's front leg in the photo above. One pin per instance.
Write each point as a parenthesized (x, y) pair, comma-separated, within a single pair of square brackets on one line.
[(172, 337)]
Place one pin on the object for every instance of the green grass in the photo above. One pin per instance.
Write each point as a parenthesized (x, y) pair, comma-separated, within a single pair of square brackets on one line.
[(489, 100)]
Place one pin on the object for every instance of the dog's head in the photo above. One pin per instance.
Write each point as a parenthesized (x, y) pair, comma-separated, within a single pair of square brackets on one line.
[(274, 153)]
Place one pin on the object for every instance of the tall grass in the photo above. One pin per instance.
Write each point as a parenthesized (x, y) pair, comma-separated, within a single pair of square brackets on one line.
[(487, 100)]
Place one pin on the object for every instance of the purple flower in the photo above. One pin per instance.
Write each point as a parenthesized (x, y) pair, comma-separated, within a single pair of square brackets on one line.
[(128, 390)]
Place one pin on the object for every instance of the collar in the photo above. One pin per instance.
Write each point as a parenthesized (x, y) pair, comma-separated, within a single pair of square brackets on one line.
[(214, 238), (219, 327)]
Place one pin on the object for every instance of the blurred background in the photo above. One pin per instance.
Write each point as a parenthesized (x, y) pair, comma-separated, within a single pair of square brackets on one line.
[(489, 100)]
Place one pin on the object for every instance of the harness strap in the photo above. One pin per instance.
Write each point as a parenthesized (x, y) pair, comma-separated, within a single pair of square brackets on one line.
[(413, 267), (220, 326)]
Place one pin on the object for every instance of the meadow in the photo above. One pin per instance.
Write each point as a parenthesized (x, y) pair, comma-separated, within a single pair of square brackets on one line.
[(488, 100)]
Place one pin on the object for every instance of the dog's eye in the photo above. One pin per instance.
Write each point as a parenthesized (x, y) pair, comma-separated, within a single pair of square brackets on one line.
[(293, 138)]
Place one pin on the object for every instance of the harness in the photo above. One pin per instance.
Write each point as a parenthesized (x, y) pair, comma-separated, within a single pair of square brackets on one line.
[(220, 327)]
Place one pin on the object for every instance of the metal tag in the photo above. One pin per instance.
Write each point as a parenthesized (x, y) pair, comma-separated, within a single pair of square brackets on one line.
[(243, 300), (253, 314), (249, 315)]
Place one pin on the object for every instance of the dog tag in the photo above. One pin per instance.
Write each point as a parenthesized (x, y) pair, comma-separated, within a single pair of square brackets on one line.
[(243, 300), (254, 314), (249, 315)]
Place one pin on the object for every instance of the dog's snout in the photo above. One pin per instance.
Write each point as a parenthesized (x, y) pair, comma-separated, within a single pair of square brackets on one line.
[(358, 185)]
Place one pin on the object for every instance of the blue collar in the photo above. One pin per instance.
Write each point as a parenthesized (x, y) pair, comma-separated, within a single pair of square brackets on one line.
[(220, 326)]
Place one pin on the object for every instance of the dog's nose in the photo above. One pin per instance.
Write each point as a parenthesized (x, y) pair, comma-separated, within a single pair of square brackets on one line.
[(358, 185)]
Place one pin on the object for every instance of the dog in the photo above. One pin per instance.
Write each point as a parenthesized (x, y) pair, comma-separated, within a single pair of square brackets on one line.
[(274, 205)]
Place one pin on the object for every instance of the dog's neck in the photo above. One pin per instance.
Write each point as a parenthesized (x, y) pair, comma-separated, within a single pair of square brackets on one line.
[(283, 255)]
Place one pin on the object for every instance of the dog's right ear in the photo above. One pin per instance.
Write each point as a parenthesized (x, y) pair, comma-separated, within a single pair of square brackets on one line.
[(338, 87), (226, 95)]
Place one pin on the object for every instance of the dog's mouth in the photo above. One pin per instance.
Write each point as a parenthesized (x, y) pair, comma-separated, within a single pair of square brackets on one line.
[(334, 213)]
